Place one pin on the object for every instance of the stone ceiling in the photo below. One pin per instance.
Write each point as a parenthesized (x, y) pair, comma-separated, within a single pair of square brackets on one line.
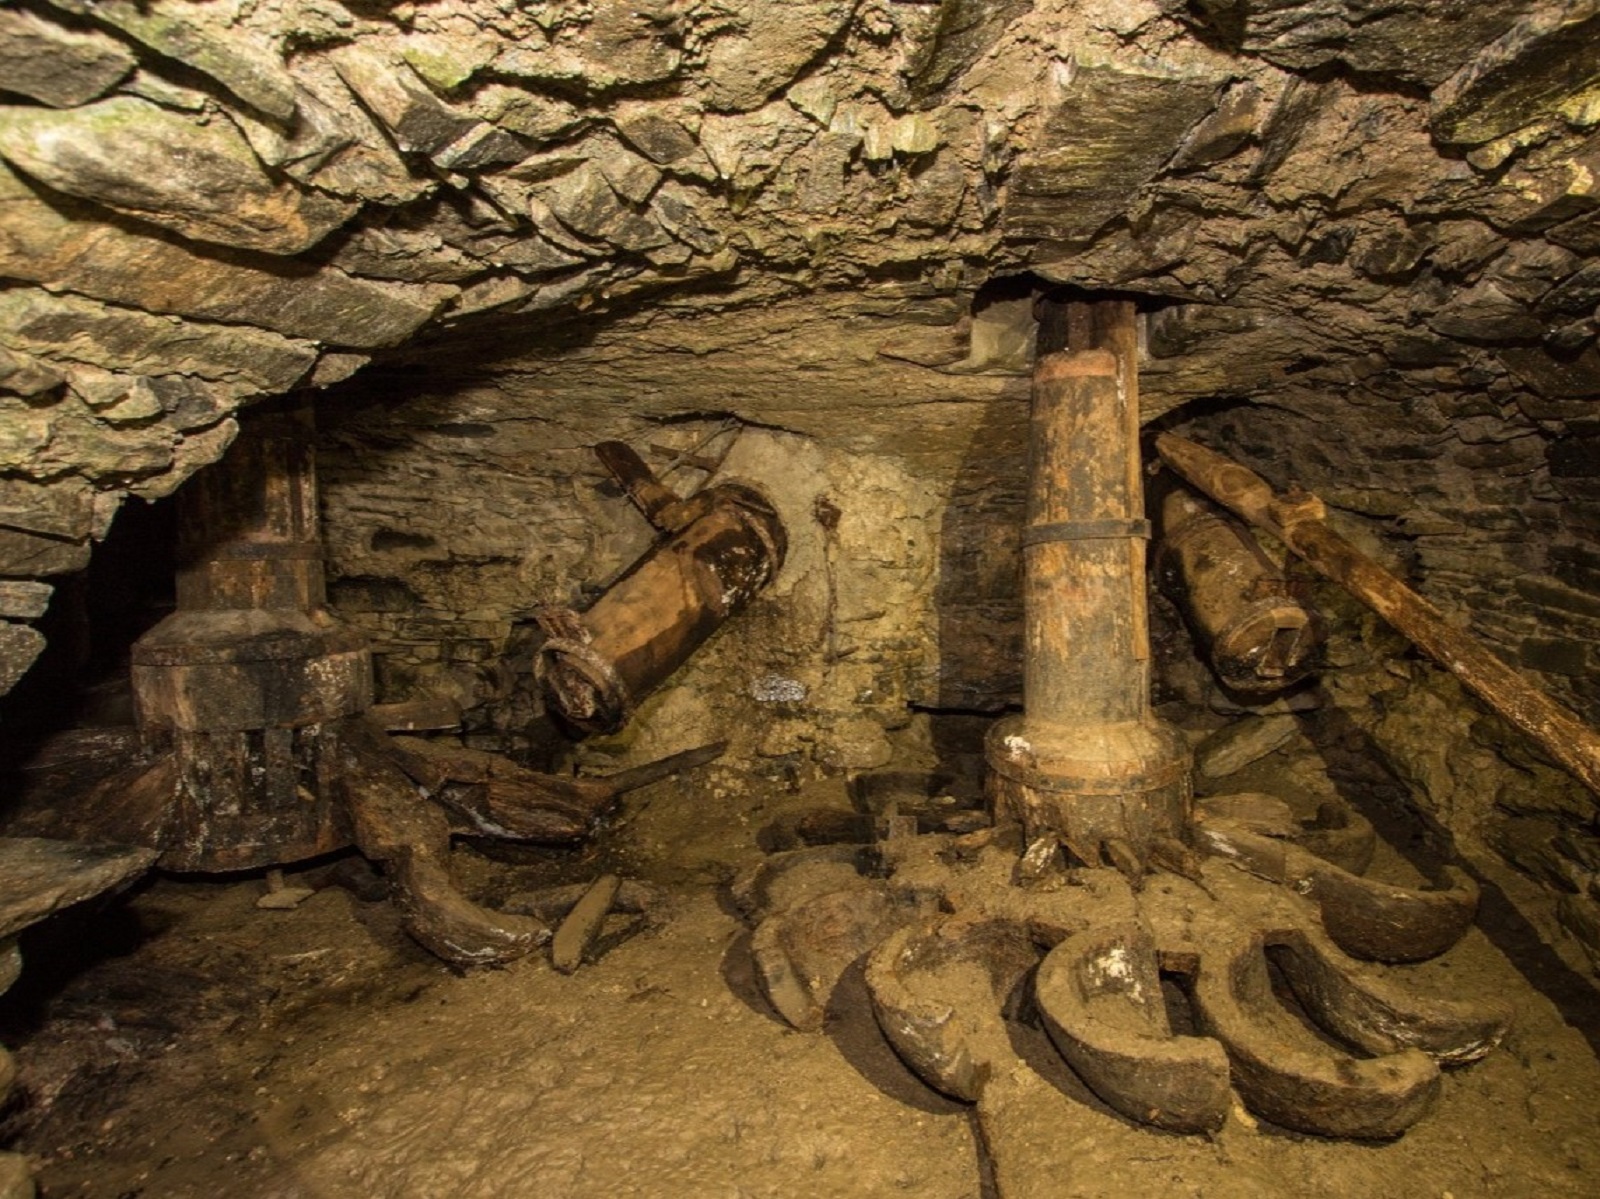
[(1380, 217)]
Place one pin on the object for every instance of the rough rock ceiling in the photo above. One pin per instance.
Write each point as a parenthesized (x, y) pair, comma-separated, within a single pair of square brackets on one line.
[(1387, 210)]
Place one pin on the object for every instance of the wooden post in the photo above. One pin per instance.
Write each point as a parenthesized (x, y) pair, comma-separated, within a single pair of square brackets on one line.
[(1298, 521), (1087, 761)]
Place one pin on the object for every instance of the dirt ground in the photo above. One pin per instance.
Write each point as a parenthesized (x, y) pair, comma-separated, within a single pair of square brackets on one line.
[(184, 1043)]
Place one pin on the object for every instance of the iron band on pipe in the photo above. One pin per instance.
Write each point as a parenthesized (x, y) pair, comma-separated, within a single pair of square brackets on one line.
[(1085, 530)]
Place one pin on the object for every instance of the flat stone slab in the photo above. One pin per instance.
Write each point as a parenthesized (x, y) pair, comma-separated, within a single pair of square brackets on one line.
[(39, 877)]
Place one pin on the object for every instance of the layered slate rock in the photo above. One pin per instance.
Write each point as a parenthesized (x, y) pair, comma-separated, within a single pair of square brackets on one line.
[(56, 66), (69, 330), (1544, 60), (1416, 42), (1109, 131), (248, 67), (764, 47), (199, 180), (63, 248)]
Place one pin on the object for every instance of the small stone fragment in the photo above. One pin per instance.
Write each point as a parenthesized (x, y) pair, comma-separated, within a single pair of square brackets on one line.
[(117, 399), (814, 97), (446, 62), (963, 31), (1236, 746), (280, 897), (535, 117), (482, 145), (682, 216), (493, 292), (914, 134), (1393, 254), (393, 93), (1222, 132), (1484, 313), (59, 67), (27, 555), (631, 177), (20, 644), (119, 152), (624, 43), (877, 143), (334, 144), (23, 375), (1548, 56), (588, 205), (766, 46), (61, 508), (577, 934), (24, 599)]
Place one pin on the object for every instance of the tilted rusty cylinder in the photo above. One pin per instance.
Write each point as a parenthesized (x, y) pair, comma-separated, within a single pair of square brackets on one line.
[(243, 681), (1087, 761), (722, 546), (1257, 636), (1298, 520)]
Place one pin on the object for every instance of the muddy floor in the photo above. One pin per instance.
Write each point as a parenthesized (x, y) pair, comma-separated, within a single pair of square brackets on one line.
[(185, 1043)]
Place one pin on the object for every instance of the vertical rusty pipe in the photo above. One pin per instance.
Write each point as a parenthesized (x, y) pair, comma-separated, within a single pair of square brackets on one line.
[(1087, 761)]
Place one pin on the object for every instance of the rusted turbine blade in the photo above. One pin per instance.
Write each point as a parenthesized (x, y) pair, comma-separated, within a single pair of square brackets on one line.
[(939, 990), (1337, 834), (1100, 994), (1385, 923), (1363, 1008), (1365, 918), (495, 797), (1285, 1073), (802, 952), (1258, 637)]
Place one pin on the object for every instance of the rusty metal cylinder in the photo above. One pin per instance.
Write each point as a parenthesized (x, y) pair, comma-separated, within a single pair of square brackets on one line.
[(596, 666), (248, 531), (245, 680), (1257, 637), (1087, 658), (1087, 761)]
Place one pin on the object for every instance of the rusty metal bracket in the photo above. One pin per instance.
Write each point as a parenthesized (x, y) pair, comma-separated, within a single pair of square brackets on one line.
[(1086, 530)]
